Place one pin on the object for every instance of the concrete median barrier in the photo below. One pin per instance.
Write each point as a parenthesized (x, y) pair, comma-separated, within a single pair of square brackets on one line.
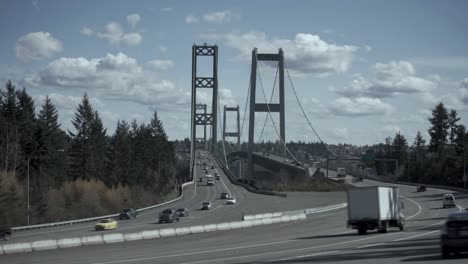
[(267, 221), (180, 231), (210, 227), (247, 223), (223, 226), (167, 232), (69, 242), (92, 240), (276, 220), (302, 217), (257, 222), (197, 229), (44, 245), (150, 234), (133, 236), (113, 238), (235, 225), (285, 218), (17, 248)]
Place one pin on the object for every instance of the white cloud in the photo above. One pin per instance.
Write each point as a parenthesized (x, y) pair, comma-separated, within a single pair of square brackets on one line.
[(361, 106), (367, 48), (161, 64), (163, 49), (37, 45), (87, 31), (306, 53), (113, 77), (133, 19), (69, 102), (167, 9), (114, 34), (218, 17), (340, 133), (191, 19), (388, 79), (459, 100)]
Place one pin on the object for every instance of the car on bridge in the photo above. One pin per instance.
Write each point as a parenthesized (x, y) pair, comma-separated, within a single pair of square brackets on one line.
[(182, 212), (168, 216), (206, 206), (448, 200), (128, 213), (231, 200), (106, 224), (5, 232), (454, 234), (224, 195), (210, 182)]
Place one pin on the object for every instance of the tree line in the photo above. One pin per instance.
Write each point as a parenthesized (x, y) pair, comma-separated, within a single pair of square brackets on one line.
[(137, 161)]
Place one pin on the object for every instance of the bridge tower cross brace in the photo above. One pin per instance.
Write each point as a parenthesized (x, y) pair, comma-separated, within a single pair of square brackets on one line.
[(232, 134), (266, 107), (204, 119)]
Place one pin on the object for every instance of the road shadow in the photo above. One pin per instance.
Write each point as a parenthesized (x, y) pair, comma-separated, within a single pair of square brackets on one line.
[(353, 234)]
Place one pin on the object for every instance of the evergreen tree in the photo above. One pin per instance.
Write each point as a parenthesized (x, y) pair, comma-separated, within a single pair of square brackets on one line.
[(439, 129), (419, 143), (453, 126), (400, 148)]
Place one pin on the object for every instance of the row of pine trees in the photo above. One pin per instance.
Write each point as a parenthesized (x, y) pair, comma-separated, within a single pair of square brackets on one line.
[(137, 161)]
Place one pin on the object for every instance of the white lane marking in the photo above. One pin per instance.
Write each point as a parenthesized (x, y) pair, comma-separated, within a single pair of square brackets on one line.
[(309, 255), (225, 186), (216, 207), (343, 233), (417, 204), (371, 245), (424, 227), (460, 208), (195, 253), (418, 235)]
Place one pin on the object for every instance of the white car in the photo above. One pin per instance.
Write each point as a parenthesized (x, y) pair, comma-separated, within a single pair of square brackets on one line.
[(231, 200), (448, 200), (206, 206)]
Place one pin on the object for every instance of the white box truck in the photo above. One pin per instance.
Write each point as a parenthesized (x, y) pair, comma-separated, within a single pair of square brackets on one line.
[(341, 172), (374, 207)]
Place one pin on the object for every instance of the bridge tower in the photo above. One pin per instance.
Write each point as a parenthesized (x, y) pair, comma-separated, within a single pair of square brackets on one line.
[(203, 82), (266, 107), (232, 134), (201, 141)]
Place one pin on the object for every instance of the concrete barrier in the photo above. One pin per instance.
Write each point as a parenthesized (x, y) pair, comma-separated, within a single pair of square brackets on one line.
[(223, 226), (276, 220), (69, 242), (302, 216), (294, 217), (257, 222), (235, 225), (167, 232), (197, 229), (285, 218), (113, 238), (92, 240), (17, 248), (210, 227), (44, 245), (267, 221), (180, 231), (247, 223), (133, 236), (149, 234)]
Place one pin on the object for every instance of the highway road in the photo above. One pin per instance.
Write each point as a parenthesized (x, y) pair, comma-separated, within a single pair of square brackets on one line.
[(194, 196), (322, 238)]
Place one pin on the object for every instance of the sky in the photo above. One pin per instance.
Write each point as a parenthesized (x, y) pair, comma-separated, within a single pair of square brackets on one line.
[(361, 70)]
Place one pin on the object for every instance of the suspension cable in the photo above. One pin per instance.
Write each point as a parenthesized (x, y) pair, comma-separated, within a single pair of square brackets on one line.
[(271, 118), (271, 99), (221, 129), (304, 113), (247, 99)]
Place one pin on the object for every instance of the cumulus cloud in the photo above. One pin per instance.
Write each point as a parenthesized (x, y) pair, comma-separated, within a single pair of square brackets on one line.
[(388, 79), (459, 99), (37, 46), (114, 34), (340, 133), (163, 49), (191, 19), (305, 53), (161, 64), (113, 77), (361, 106), (133, 19), (218, 17)]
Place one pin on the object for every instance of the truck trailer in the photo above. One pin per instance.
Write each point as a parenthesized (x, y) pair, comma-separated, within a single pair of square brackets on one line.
[(374, 208)]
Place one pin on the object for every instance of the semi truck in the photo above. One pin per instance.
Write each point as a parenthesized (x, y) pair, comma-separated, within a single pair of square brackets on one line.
[(374, 208), (341, 172)]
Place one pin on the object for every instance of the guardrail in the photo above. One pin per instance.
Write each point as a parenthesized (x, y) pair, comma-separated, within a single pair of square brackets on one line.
[(304, 211), (91, 219), (146, 234)]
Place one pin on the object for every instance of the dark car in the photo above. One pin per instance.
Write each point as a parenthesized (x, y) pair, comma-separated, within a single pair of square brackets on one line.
[(212, 167), (5, 232), (206, 206), (224, 195), (454, 234), (421, 188), (128, 213), (182, 212), (168, 216)]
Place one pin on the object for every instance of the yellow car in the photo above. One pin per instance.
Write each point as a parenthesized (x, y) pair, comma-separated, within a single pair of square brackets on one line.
[(106, 224)]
